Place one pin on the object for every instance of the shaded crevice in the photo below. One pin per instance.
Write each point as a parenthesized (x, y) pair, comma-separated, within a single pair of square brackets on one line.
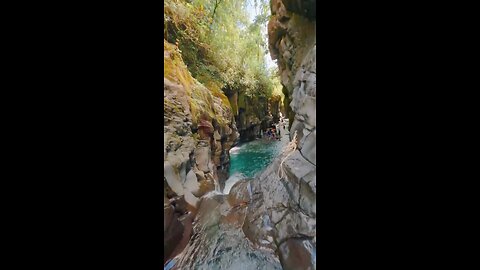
[(298, 236), (287, 211)]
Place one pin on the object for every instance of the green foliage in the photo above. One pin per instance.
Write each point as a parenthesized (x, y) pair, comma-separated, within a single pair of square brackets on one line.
[(219, 45)]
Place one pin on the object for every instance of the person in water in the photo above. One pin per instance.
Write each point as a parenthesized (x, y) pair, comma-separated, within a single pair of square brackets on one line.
[(268, 133), (277, 133)]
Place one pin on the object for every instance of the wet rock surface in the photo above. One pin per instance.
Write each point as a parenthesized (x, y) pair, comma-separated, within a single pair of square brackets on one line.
[(172, 233), (297, 253), (218, 241)]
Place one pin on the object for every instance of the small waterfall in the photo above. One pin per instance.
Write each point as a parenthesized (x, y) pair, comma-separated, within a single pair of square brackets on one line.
[(249, 188), (217, 186), (232, 180)]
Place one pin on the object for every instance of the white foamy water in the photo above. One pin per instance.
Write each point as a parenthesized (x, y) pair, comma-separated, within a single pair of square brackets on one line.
[(212, 194), (234, 149), (231, 181)]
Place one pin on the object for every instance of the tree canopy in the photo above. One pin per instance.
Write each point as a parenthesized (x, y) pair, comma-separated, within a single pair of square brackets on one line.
[(221, 47)]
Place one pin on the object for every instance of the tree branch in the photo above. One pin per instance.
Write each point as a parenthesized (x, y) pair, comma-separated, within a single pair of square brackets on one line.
[(217, 2)]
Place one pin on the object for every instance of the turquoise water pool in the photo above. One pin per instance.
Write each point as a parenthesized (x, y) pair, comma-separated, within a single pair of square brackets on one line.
[(250, 158)]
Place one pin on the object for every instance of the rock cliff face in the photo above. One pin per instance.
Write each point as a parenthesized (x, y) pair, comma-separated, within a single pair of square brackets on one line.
[(252, 114), (283, 206), (292, 36), (275, 107), (199, 129)]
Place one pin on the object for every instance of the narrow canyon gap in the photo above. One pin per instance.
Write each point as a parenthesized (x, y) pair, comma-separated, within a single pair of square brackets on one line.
[(239, 134)]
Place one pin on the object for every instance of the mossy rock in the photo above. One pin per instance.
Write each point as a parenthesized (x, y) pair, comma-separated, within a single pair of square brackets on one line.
[(174, 67), (169, 105), (200, 97), (241, 101), (233, 103)]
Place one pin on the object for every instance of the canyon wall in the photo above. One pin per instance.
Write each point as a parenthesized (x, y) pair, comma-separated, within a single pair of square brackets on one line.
[(199, 130), (282, 211), (252, 114)]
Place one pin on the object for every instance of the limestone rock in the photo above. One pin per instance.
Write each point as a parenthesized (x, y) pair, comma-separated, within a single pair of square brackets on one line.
[(191, 183), (202, 158), (173, 178)]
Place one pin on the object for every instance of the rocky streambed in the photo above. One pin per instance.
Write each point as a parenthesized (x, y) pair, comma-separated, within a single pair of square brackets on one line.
[(220, 235), (255, 224), (219, 240)]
